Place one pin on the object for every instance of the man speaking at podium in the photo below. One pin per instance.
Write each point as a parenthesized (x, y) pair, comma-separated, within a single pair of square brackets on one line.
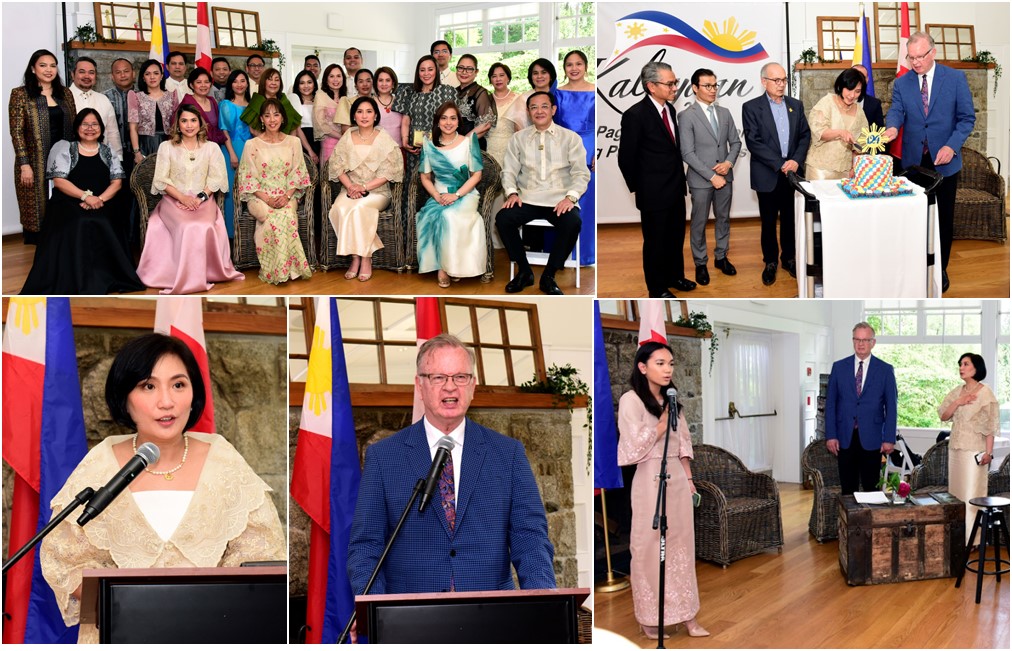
[(485, 514)]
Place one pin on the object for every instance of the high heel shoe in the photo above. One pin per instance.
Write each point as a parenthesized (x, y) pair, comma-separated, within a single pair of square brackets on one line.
[(442, 279), (651, 632), (695, 630)]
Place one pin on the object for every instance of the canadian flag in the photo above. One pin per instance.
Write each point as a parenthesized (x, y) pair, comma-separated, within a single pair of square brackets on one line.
[(896, 146), (202, 56), (427, 326), (183, 317), (652, 322)]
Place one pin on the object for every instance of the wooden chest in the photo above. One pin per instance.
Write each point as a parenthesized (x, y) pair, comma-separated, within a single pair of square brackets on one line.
[(923, 539)]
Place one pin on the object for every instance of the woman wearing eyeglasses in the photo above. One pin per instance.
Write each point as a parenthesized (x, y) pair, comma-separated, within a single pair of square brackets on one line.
[(836, 122), (477, 110)]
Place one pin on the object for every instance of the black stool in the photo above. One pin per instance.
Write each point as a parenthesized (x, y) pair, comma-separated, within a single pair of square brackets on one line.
[(991, 522)]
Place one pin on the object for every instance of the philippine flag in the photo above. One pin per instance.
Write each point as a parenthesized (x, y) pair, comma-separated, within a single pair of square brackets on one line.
[(325, 477), (658, 29), (43, 441)]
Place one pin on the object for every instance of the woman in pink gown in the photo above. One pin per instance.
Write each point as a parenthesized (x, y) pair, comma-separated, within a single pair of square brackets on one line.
[(642, 422), (332, 89), (186, 246)]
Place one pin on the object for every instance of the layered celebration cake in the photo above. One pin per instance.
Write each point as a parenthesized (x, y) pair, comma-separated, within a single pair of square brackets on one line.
[(873, 173)]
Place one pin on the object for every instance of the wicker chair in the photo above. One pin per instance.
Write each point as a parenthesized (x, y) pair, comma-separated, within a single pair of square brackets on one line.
[(244, 250), (739, 514), (932, 474), (980, 201), (821, 467), (140, 185), (390, 232), (488, 188), (998, 480)]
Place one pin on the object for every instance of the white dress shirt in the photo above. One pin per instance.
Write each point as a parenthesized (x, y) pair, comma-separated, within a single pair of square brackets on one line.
[(449, 78), (95, 100), (180, 88), (432, 436)]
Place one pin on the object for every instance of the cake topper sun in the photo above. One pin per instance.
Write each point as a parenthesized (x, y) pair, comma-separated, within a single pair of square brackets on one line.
[(871, 140)]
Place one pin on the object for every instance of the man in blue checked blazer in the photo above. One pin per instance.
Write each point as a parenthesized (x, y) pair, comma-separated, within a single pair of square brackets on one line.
[(472, 531), (861, 422)]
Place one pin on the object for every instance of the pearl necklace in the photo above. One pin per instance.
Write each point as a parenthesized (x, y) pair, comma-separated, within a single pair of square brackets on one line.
[(508, 91), (167, 474), (448, 144), (89, 152)]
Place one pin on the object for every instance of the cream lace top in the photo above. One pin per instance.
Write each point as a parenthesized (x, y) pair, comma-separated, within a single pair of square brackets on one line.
[(382, 160), (973, 421), (638, 439), (231, 519), (174, 167), (834, 155)]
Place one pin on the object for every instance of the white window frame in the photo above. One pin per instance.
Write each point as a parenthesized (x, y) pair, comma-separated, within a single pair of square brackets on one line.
[(548, 19)]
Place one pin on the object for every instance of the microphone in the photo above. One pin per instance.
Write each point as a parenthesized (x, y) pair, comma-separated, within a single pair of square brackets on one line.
[(146, 455), (672, 394), (443, 448)]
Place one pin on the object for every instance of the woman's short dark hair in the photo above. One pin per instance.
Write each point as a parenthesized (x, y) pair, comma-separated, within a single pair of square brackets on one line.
[(473, 59), (365, 99), (980, 369), (232, 76), (134, 364), (267, 74), (505, 68), (276, 104), (32, 84), (849, 79), (639, 381), (545, 64), (141, 84), (389, 71), (364, 71), (443, 108), (195, 74), (343, 90), (298, 78), (579, 53), (79, 118), (417, 84)]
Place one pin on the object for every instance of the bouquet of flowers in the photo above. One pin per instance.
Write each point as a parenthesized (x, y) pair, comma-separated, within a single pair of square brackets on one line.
[(892, 482)]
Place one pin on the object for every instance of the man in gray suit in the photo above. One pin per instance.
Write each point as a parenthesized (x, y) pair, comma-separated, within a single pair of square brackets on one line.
[(710, 145)]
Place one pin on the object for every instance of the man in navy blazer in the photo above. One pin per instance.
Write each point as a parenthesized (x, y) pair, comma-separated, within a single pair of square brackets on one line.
[(861, 413), (935, 109), (489, 517), (777, 137), (871, 106)]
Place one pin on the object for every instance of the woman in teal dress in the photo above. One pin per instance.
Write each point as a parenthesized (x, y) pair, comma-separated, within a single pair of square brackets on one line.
[(451, 232), (229, 120), (576, 112)]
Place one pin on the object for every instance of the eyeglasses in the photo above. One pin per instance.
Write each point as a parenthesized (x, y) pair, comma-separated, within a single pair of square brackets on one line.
[(256, 66), (862, 341), (439, 379), (708, 86), (921, 58), (444, 51), (467, 69), (669, 84), (779, 82)]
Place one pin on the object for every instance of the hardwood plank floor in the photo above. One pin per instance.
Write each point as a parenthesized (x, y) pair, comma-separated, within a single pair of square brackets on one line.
[(799, 599), (17, 261), (977, 269)]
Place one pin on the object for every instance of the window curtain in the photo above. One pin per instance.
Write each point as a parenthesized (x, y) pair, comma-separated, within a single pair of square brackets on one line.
[(744, 377)]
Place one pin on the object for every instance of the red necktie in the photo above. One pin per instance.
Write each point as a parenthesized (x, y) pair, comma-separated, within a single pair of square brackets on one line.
[(667, 125)]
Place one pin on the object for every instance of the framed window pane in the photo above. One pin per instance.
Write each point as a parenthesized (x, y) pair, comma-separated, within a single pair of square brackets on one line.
[(488, 326), (398, 321), (494, 363), (357, 319), (400, 364), (518, 327), (523, 366), (297, 369), (458, 322), (363, 363)]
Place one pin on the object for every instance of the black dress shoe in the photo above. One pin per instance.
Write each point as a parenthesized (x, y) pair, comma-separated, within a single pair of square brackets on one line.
[(945, 281), (549, 286), (725, 265), (664, 294), (684, 285), (521, 280), (702, 275), (791, 268), (770, 273)]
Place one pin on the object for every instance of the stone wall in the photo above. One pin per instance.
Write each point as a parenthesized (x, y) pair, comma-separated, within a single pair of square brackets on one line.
[(816, 83), (620, 349), (104, 58), (547, 437), (249, 377)]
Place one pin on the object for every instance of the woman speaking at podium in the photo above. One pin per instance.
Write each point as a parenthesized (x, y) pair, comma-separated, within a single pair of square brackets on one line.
[(198, 505)]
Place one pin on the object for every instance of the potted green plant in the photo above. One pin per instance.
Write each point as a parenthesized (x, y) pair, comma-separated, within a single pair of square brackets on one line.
[(565, 384), (985, 57), (698, 322), (270, 47)]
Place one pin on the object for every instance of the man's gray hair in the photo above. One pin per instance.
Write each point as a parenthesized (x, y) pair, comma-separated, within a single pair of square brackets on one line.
[(864, 325), (652, 72), (762, 71), (920, 36), (443, 340)]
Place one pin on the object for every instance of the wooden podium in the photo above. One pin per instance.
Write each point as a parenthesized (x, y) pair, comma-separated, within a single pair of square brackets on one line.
[(504, 617), (216, 605)]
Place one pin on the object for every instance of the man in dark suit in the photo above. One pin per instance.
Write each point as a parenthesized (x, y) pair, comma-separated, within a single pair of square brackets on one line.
[(777, 137), (861, 413), (651, 165), (486, 515), (872, 106), (935, 109)]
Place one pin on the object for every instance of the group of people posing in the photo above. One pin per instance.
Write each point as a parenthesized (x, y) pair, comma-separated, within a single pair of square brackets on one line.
[(933, 106), (237, 134)]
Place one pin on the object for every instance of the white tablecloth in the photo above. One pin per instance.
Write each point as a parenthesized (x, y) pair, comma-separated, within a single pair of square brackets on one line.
[(871, 248)]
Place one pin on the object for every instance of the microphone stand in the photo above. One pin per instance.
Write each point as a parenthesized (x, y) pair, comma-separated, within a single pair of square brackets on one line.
[(379, 564), (661, 519)]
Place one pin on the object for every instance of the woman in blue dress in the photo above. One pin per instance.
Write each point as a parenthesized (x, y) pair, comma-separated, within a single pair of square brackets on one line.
[(236, 100), (575, 111), (451, 232)]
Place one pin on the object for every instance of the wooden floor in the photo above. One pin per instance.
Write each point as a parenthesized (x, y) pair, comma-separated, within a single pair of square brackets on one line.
[(799, 599), (977, 269), (17, 261)]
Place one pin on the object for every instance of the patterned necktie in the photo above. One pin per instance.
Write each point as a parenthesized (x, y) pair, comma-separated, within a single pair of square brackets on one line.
[(713, 123), (667, 125), (859, 378), (446, 493), (924, 102)]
